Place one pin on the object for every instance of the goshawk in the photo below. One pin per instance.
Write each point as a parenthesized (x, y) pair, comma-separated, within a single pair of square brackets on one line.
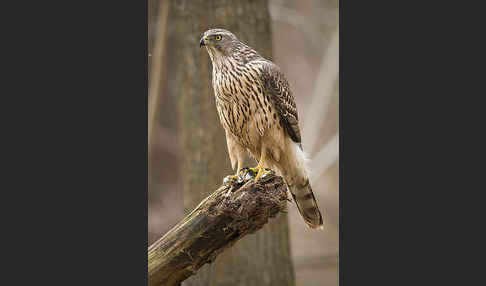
[(258, 112)]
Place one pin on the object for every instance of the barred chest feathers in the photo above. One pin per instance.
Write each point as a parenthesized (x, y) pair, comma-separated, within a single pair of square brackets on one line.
[(243, 107)]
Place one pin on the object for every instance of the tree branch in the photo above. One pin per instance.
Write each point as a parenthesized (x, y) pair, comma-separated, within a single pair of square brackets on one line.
[(231, 212)]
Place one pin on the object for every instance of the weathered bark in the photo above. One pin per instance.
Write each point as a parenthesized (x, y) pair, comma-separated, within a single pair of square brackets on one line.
[(227, 215), (260, 259)]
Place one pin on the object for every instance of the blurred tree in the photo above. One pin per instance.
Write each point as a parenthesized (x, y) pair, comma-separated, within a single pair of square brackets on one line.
[(259, 259), (164, 200)]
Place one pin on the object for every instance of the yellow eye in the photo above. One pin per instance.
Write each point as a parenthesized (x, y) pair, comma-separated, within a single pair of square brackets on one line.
[(218, 38)]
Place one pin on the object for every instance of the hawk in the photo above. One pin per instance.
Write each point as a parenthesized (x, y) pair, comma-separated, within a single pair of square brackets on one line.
[(258, 113)]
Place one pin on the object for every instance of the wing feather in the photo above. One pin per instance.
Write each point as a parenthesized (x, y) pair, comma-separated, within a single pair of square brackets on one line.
[(277, 86)]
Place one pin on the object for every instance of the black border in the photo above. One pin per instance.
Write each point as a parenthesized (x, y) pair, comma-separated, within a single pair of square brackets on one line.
[(78, 143)]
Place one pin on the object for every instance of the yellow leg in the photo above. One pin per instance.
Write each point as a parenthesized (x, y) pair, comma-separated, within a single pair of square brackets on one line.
[(260, 167), (239, 168)]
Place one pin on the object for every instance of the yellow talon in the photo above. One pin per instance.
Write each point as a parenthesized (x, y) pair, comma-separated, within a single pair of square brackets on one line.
[(232, 177)]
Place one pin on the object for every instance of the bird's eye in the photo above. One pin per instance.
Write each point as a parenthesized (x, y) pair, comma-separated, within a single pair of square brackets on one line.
[(218, 38)]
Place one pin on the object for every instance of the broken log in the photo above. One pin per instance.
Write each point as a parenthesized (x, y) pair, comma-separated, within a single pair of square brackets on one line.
[(237, 208)]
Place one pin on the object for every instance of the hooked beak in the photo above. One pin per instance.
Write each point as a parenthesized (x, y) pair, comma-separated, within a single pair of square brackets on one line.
[(203, 41)]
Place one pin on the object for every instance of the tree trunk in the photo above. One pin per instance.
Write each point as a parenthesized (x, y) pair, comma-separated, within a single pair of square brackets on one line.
[(258, 259), (164, 203)]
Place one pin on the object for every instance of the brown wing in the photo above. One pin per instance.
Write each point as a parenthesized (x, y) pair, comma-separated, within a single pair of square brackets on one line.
[(277, 86)]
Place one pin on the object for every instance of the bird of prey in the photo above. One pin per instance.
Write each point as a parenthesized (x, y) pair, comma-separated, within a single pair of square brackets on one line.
[(258, 113)]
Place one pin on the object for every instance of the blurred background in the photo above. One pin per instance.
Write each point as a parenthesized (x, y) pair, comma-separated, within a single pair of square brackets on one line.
[(187, 148)]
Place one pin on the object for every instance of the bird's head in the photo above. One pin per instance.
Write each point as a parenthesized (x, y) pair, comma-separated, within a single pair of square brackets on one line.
[(218, 40)]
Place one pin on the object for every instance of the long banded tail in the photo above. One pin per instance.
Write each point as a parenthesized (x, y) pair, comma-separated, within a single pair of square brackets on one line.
[(307, 204)]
